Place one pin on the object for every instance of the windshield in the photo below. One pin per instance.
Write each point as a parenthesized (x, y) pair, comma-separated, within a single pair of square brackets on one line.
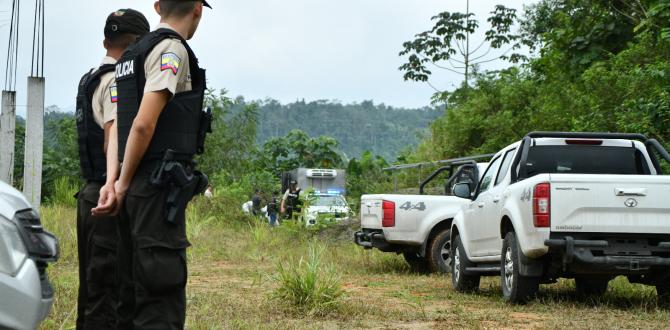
[(586, 160), (330, 201)]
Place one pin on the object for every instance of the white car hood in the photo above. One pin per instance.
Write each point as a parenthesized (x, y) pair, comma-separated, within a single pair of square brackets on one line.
[(11, 201)]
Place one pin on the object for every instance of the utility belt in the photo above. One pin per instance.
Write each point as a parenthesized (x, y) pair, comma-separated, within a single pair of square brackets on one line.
[(181, 180)]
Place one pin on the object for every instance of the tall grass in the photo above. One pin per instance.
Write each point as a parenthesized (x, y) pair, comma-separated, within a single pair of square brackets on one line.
[(64, 190), (62, 222), (308, 284)]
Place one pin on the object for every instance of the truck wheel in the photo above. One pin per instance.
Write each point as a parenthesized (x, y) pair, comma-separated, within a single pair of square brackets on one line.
[(663, 292), (438, 253), (589, 286), (416, 263), (516, 289), (460, 278)]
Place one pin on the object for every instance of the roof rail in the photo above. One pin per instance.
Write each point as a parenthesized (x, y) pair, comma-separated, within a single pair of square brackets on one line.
[(454, 161), (588, 135)]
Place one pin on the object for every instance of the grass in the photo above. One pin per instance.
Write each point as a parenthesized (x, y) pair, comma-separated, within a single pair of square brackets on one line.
[(237, 265), (307, 284)]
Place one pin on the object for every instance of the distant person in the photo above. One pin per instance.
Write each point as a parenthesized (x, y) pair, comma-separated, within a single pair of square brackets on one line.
[(209, 193), (246, 207), (256, 201), (97, 235), (291, 200), (273, 208)]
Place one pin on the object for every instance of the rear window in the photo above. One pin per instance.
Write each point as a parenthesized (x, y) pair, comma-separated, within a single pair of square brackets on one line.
[(583, 159)]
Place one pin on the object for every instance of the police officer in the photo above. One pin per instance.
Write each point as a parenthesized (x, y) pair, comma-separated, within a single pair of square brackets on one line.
[(97, 236), (291, 200), (161, 91)]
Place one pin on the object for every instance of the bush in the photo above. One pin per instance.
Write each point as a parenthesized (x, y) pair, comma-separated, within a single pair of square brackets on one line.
[(307, 284)]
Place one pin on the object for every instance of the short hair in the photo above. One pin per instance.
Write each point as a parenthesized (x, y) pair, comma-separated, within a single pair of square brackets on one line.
[(122, 40), (176, 8)]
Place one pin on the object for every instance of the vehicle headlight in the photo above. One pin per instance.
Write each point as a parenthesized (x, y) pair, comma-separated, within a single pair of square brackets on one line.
[(12, 251)]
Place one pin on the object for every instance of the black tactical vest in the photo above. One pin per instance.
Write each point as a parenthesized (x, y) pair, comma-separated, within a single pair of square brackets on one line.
[(91, 137), (293, 198), (179, 123)]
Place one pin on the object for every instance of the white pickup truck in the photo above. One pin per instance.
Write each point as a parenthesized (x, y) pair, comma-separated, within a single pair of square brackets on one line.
[(588, 206), (416, 225)]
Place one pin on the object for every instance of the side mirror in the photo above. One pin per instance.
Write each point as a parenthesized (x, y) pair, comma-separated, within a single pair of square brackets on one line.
[(462, 190)]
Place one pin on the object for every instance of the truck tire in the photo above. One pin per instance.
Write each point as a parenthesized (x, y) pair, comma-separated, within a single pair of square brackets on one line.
[(663, 292), (460, 278), (516, 289), (416, 263), (438, 252), (589, 286)]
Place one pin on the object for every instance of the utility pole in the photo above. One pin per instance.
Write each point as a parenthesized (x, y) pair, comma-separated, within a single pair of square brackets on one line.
[(32, 170), (7, 136), (466, 56), (8, 114)]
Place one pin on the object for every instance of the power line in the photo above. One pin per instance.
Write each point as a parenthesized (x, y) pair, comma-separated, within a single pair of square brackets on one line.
[(12, 48), (37, 60)]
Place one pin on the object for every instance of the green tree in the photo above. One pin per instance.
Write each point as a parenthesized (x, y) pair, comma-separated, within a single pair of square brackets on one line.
[(446, 46), (231, 145), (297, 149)]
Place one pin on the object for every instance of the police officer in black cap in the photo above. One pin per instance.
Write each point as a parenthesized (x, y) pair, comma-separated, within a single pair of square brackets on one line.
[(291, 200), (161, 127), (97, 236)]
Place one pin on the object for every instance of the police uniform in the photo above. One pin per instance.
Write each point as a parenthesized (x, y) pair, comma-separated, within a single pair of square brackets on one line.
[(152, 248), (292, 202), (96, 236)]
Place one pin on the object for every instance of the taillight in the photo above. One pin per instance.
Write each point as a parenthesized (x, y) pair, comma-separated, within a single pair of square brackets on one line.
[(542, 205), (585, 142), (388, 217)]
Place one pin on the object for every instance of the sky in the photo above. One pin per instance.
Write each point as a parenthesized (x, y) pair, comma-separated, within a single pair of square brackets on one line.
[(345, 50)]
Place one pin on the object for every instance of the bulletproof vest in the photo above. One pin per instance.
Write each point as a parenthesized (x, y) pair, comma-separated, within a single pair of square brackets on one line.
[(272, 205), (293, 198), (179, 123), (91, 137)]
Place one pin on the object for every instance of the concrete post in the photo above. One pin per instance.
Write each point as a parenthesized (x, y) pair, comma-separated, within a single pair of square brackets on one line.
[(32, 171), (7, 136)]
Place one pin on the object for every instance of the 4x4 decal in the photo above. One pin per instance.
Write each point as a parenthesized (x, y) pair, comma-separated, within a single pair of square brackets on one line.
[(526, 196), (409, 206)]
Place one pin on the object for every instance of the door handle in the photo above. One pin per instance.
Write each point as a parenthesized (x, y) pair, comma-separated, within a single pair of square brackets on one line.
[(480, 205), (496, 199), (630, 191)]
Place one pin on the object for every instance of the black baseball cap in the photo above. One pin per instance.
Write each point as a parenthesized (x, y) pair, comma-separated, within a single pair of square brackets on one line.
[(126, 21), (204, 3)]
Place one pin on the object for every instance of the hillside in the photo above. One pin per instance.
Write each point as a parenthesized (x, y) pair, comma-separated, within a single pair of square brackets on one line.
[(358, 127)]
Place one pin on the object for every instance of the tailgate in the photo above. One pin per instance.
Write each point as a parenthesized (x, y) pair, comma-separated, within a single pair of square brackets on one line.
[(610, 203), (371, 211)]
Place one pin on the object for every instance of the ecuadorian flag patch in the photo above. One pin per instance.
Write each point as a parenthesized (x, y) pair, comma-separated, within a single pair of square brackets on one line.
[(114, 95), (170, 61)]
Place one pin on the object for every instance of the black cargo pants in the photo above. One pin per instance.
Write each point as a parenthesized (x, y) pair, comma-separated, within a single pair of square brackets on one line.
[(152, 259), (96, 246)]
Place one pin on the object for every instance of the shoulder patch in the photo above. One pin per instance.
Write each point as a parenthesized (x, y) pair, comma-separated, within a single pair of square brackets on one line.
[(170, 61), (113, 94)]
